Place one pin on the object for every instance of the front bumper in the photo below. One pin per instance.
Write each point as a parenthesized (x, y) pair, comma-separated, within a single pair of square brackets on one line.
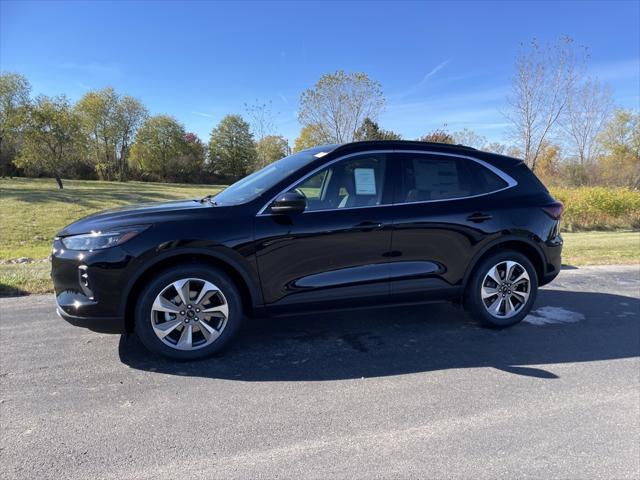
[(70, 304), (89, 287)]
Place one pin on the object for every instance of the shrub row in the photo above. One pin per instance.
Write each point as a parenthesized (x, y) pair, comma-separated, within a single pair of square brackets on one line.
[(599, 208)]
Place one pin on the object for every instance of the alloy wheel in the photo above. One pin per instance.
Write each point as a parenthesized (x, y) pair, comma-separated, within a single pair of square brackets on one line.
[(189, 314), (505, 289)]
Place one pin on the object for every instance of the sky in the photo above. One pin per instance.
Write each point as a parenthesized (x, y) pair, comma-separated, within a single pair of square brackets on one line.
[(441, 64)]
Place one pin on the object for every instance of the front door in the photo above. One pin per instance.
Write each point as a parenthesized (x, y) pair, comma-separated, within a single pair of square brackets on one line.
[(335, 251)]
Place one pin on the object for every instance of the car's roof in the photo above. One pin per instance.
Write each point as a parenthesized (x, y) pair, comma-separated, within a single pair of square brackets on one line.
[(354, 147)]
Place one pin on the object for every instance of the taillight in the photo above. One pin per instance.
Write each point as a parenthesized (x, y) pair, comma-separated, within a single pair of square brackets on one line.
[(554, 210)]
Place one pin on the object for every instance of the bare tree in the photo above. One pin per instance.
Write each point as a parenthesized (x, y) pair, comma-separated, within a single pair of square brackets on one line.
[(545, 76), (588, 109), (338, 104), (261, 119), (469, 138)]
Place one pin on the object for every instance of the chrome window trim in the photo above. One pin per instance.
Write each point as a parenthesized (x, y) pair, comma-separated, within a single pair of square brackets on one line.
[(511, 182)]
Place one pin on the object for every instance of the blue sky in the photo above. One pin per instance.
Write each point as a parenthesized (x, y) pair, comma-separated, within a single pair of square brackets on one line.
[(438, 62)]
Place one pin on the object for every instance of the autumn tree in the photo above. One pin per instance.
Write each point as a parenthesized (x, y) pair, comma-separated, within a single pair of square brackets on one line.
[(232, 151), (338, 104), (540, 92), (53, 138), (438, 136), (271, 148), (370, 130), (310, 136), (14, 106)]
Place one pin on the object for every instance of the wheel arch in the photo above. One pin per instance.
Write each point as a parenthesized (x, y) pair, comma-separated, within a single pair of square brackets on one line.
[(249, 290), (522, 245)]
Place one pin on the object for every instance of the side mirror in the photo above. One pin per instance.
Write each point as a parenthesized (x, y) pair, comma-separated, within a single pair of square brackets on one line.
[(289, 203)]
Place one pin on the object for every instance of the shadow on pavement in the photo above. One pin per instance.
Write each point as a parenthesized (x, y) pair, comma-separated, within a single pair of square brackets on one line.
[(395, 341)]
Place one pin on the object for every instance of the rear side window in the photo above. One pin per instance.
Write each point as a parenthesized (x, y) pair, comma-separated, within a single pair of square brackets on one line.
[(426, 177)]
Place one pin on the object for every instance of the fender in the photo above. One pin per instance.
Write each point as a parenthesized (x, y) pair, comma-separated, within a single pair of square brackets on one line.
[(504, 239), (254, 289)]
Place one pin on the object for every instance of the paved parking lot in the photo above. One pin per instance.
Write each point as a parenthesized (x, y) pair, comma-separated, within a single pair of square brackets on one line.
[(410, 392)]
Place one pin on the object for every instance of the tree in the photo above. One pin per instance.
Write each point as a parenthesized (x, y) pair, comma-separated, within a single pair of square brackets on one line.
[(130, 114), (540, 90), (620, 142), (14, 106), (438, 136), (496, 147), (53, 138), (164, 150), (310, 136), (111, 122), (232, 150), (370, 130), (260, 119), (469, 138), (271, 148), (339, 102), (586, 114), (549, 164)]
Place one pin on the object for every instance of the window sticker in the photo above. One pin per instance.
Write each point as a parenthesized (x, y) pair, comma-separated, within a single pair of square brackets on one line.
[(365, 179)]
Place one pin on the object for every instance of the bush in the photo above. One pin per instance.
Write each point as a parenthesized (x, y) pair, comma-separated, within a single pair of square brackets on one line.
[(599, 208)]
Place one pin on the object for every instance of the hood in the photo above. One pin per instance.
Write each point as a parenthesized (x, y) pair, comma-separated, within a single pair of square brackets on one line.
[(142, 214)]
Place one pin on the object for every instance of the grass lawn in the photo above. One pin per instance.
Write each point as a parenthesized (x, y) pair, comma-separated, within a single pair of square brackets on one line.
[(33, 210)]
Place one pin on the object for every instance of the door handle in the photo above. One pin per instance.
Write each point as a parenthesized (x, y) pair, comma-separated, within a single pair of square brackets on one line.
[(478, 217), (368, 226)]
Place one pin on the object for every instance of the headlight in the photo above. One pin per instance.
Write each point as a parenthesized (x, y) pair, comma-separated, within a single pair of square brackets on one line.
[(100, 240)]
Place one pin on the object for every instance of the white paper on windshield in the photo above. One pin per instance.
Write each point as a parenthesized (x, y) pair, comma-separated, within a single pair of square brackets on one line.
[(365, 181)]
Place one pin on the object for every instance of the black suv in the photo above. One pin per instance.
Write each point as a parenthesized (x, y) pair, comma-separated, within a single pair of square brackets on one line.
[(329, 227)]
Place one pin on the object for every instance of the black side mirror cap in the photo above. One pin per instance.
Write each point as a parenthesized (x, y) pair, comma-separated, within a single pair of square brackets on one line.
[(289, 203)]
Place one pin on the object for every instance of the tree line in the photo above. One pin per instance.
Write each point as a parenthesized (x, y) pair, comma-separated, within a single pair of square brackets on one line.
[(562, 123)]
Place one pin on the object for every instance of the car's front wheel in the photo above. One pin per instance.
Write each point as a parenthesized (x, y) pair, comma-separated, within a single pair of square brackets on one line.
[(502, 289), (188, 312)]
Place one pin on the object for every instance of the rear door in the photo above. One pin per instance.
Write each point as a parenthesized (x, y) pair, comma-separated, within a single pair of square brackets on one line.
[(334, 252), (444, 209)]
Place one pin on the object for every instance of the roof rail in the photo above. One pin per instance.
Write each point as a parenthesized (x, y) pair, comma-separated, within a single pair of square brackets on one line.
[(397, 143)]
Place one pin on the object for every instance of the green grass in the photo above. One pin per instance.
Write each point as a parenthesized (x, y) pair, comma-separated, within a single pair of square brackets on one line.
[(33, 210), (601, 248)]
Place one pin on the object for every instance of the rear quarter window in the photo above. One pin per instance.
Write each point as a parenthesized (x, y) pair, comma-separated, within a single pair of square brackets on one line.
[(429, 177)]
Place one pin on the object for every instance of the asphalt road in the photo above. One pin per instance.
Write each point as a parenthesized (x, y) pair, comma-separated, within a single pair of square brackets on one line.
[(378, 393)]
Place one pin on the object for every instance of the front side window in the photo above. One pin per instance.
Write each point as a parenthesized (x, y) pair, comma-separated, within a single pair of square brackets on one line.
[(426, 177), (352, 182), (253, 185)]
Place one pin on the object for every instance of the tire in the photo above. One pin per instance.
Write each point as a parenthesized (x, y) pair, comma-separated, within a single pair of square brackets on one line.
[(515, 299), (196, 327)]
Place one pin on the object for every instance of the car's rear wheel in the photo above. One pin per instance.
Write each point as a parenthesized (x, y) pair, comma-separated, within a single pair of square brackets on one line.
[(502, 289), (188, 312)]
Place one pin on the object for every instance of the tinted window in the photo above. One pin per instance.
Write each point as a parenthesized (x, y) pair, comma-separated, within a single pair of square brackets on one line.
[(353, 182), (432, 177)]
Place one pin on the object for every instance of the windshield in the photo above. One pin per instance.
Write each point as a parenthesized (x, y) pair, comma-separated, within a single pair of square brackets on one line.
[(253, 185)]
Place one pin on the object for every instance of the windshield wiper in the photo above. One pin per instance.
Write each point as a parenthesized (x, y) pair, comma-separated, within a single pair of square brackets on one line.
[(208, 198)]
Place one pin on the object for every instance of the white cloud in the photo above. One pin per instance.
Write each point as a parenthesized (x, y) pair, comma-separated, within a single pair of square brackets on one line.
[(421, 83), (203, 114)]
